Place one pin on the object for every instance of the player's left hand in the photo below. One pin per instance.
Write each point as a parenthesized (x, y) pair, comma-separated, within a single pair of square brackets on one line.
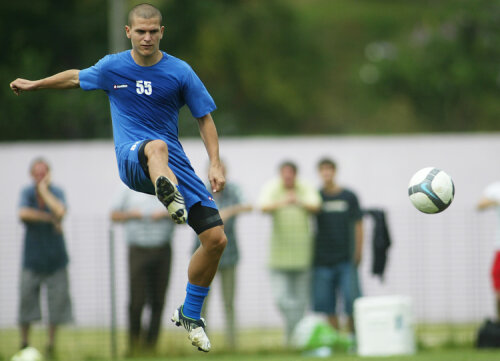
[(216, 177)]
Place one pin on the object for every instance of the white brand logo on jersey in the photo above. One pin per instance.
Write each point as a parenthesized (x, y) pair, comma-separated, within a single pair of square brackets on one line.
[(135, 145), (119, 86), (143, 87)]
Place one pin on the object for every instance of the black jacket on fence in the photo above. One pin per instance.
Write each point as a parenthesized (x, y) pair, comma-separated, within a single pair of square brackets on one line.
[(381, 241)]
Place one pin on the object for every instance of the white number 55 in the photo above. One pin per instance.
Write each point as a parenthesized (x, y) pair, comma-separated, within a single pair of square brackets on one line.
[(143, 87)]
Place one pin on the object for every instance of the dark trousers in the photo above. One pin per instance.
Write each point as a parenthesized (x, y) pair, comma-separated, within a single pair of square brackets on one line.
[(149, 272)]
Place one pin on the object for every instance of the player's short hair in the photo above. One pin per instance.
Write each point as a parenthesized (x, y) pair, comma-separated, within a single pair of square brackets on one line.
[(144, 11), (328, 162), (39, 160), (289, 163)]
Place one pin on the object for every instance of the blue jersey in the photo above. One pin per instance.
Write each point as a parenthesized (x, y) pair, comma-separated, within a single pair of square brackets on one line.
[(145, 103)]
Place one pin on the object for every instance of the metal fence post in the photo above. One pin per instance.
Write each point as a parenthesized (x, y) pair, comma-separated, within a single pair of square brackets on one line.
[(112, 291)]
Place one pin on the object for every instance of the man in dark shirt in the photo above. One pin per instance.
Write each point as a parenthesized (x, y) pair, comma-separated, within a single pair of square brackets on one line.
[(42, 208), (338, 247)]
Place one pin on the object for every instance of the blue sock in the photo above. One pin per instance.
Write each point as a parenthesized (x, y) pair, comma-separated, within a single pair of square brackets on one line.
[(195, 295)]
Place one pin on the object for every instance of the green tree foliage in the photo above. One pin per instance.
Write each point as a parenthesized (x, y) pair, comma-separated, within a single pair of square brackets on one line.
[(258, 61), (273, 66), (448, 68), (42, 38), (256, 57)]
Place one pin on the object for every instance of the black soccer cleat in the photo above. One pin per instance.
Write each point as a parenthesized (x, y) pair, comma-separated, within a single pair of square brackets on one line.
[(169, 195)]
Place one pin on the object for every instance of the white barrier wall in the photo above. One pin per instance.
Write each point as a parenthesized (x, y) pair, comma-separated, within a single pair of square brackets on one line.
[(442, 261)]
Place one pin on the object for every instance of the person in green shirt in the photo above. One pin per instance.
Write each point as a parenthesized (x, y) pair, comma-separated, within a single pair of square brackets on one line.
[(290, 202)]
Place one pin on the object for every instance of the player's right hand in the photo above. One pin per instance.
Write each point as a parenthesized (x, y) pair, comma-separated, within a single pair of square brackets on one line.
[(216, 177), (19, 85)]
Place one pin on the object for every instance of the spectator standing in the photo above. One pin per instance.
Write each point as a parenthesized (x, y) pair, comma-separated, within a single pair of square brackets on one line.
[(338, 248), (491, 199), (231, 203), (290, 202), (45, 260), (148, 232)]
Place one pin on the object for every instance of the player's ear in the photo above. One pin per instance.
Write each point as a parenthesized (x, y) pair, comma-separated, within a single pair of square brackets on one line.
[(162, 30), (127, 31)]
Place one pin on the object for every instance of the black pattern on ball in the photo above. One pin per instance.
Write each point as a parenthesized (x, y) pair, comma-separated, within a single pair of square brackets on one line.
[(425, 187)]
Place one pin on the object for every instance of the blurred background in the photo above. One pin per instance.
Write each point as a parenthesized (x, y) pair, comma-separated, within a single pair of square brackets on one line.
[(384, 87), (274, 67)]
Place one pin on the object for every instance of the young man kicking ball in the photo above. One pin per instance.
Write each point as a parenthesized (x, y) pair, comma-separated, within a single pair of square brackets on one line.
[(146, 89)]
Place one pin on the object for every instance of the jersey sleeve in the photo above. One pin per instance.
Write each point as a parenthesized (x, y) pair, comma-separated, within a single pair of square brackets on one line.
[(355, 210), (239, 198), (59, 194), (196, 96), (492, 192), (119, 202), (90, 78), (24, 201), (267, 194), (311, 195)]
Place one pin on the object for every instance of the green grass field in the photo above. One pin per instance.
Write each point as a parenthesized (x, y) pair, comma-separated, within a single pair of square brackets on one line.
[(435, 342), (441, 355)]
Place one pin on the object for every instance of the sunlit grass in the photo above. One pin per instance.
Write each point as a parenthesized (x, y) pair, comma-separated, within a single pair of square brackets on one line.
[(435, 343)]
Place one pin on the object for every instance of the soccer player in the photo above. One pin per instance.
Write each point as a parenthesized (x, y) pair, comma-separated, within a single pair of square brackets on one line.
[(146, 88)]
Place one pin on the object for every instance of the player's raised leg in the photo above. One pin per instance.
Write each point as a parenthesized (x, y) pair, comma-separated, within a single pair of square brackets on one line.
[(165, 181), (201, 271)]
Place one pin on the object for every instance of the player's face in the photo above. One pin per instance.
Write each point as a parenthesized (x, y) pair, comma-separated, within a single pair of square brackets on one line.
[(327, 173), (145, 35), (39, 171), (288, 176)]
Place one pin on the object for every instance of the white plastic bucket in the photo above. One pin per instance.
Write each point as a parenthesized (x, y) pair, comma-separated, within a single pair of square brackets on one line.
[(384, 326)]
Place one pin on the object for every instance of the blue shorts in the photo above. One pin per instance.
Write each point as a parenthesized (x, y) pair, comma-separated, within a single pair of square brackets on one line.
[(133, 175), (327, 281)]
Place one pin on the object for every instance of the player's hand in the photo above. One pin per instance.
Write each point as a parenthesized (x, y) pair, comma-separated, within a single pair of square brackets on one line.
[(216, 177), (20, 85), (57, 225), (44, 182), (291, 198)]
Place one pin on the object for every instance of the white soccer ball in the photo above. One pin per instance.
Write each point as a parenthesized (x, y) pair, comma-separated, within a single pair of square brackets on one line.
[(431, 190), (27, 354)]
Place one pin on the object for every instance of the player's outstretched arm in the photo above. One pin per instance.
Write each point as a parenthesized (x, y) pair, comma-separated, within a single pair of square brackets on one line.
[(232, 211), (485, 203), (210, 138), (64, 80)]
